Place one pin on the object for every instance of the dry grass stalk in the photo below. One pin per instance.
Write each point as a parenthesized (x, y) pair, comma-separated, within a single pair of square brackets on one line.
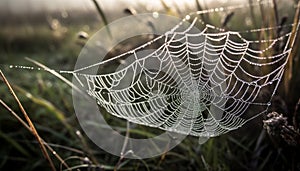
[(31, 126), (28, 128), (288, 74)]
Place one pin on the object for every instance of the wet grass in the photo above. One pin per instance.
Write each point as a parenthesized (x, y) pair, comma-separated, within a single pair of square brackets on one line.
[(48, 103)]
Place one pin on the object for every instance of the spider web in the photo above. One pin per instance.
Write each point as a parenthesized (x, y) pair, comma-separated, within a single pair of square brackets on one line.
[(204, 83)]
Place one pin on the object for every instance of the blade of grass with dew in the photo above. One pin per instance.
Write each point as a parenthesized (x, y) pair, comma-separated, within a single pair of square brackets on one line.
[(48, 105), (71, 149), (53, 72), (117, 167), (86, 147)]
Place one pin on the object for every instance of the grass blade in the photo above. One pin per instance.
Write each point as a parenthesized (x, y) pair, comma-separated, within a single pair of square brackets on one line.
[(53, 72), (102, 15), (14, 143)]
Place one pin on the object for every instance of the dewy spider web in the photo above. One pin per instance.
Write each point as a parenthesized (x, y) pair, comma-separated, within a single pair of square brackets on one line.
[(203, 85)]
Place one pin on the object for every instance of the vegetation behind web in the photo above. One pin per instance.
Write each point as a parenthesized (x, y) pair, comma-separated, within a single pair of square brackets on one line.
[(56, 40)]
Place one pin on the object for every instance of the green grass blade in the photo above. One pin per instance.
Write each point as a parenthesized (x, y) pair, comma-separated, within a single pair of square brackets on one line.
[(14, 143), (102, 15)]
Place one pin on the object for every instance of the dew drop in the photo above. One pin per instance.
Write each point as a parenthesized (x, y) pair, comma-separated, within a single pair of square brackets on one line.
[(155, 14), (78, 133), (28, 95), (86, 159), (187, 17)]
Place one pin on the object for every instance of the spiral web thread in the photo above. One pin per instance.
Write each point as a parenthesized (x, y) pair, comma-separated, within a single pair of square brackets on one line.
[(206, 83)]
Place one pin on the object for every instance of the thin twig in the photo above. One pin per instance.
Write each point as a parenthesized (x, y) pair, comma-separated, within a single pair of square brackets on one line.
[(126, 138), (86, 147), (123, 154), (32, 128)]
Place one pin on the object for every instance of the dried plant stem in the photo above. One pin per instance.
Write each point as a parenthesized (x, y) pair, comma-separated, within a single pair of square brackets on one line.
[(289, 66), (275, 10), (28, 128), (31, 126), (58, 75)]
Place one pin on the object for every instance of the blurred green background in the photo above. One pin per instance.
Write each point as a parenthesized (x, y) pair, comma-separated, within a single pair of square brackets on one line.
[(53, 33)]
